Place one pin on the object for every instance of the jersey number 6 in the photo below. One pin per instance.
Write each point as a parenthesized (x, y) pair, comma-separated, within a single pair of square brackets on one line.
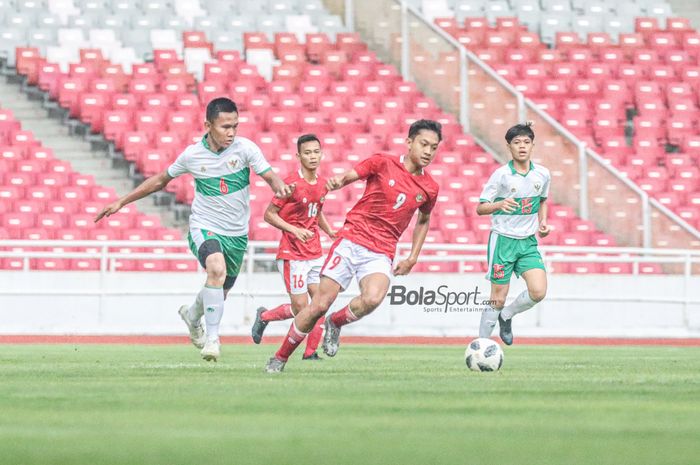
[(223, 187)]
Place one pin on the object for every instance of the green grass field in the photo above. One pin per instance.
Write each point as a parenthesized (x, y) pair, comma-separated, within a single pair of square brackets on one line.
[(118, 404)]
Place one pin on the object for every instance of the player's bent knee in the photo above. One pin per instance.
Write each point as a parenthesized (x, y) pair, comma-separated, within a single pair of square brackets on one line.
[(498, 304), (216, 269), (319, 306), (537, 295)]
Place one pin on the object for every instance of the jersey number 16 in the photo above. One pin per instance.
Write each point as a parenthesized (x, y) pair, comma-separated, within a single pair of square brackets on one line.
[(313, 209)]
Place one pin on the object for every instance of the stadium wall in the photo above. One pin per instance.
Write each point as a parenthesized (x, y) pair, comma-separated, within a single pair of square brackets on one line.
[(146, 303)]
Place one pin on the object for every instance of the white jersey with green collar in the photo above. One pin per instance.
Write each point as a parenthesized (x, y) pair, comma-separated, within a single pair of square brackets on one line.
[(222, 195), (526, 189)]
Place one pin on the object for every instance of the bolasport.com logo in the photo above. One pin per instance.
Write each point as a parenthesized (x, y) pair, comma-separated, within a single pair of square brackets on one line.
[(440, 300)]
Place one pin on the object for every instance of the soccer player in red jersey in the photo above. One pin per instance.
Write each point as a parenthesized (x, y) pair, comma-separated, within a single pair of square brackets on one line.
[(396, 188), (299, 257)]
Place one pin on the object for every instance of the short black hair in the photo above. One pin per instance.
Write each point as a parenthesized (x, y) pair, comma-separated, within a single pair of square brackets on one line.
[(220, 105), (425, 124), (520, 130), (306, 138)]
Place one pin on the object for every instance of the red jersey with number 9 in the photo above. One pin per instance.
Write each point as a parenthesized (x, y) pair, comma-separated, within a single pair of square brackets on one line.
[(391, 197), (301, 209)]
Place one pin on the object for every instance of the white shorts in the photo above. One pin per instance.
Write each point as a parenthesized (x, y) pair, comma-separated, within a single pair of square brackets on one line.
[(347, 259), (298, 274)]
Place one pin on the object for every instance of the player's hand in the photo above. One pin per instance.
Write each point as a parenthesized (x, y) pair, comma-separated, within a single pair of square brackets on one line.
[(286, 191), (544, 230), (404, 267), (508, 205), (335, 182), (303, 234), (333, 234), (109, 210)]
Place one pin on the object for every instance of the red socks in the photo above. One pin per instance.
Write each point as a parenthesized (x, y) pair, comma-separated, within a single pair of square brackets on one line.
[(314, 337), (343, 317), (282, 312), (290, 343)]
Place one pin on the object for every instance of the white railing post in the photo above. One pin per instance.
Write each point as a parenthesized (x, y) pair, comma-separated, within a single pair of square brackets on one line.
[(522, 111), (646, 221), (103, 274), (688, 269), (350, 15), (583, 180), (405, 45), (464, 90)]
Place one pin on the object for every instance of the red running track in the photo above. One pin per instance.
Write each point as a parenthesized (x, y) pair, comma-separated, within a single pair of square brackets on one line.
[(162, 340)]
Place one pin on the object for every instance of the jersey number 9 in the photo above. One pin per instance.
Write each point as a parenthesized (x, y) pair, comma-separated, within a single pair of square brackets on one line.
[(400, 200)]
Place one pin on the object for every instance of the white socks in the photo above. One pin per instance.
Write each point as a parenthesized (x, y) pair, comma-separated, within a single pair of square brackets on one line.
[(488, 322), (213, 303), (520, 304), (196, 310)]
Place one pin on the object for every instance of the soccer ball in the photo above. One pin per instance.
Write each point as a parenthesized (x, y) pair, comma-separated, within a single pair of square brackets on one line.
[(484, 355)]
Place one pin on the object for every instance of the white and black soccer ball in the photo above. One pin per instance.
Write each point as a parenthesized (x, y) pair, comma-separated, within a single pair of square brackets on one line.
[(484, 355)]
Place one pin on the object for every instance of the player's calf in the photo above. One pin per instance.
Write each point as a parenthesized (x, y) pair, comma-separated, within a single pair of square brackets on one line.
[(368, 304)]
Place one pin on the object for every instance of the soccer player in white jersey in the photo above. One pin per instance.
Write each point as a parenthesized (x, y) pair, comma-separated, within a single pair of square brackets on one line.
[(515, 195), (220, 164)]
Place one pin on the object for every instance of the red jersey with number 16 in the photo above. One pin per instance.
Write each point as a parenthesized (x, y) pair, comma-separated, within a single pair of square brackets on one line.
[(390, 199), (301, 209)]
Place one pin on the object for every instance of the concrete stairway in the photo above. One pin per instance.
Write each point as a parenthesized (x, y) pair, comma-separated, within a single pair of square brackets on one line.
[(49, 125)]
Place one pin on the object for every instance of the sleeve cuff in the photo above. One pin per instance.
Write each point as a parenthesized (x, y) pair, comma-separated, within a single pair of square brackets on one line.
[(264, 171), (484, 201)]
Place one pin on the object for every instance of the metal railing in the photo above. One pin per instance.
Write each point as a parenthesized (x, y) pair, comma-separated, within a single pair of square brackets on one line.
[(487, 105), (260, 257), (261, 253)]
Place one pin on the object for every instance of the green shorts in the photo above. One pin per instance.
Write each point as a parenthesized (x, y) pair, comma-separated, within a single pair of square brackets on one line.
[(233, 248), (506, 255)]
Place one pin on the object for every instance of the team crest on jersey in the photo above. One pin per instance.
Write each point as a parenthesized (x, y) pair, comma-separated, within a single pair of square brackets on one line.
[(304, 200), (323, 199), (391, 183), (537, 186), (233, 163), (419, 198), (204, 169)]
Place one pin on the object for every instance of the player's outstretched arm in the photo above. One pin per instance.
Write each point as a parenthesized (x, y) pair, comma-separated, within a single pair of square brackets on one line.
[(419, 234), (149, 186), (281, 190), (488, 208), (544, 229), (325, 226), (342, 180), (273, 217)]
